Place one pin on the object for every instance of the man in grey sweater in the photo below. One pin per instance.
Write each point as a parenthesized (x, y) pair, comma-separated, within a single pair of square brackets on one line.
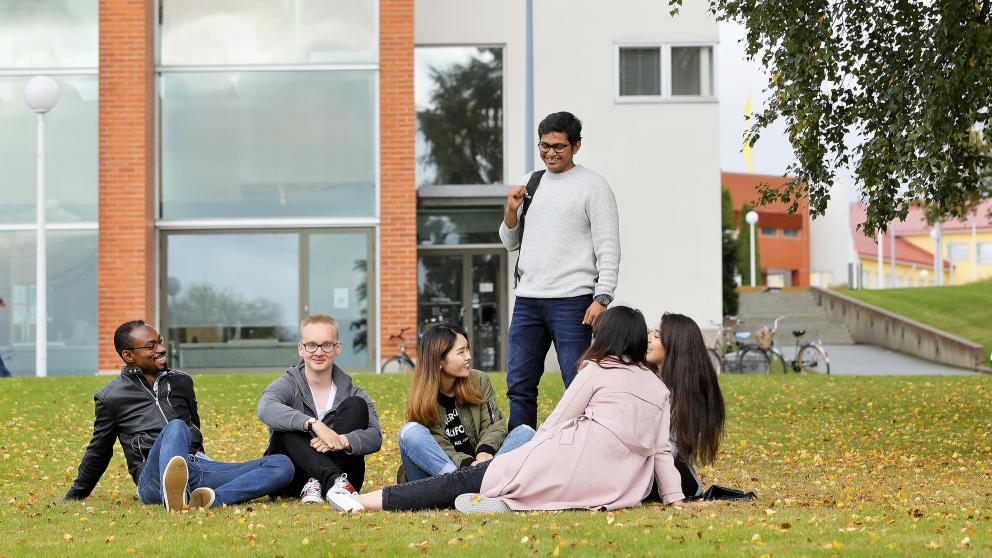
[(318, 418), (567, 267)]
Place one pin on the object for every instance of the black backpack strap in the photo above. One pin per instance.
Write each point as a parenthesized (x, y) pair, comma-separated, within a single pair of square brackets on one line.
[(532, 184)]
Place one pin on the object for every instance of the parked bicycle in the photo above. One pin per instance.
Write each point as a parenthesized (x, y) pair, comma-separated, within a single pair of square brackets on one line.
[(809, 356), (725, 352), (762, 357), (402, 361)]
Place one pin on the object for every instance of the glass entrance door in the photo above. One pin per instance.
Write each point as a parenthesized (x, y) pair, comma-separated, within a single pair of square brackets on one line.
[(466, 287)]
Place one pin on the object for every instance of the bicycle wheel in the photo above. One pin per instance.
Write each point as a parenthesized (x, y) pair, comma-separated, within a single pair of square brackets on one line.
[(778, 364), (753, 360), (397, 365), (812, 358), (717, 359)]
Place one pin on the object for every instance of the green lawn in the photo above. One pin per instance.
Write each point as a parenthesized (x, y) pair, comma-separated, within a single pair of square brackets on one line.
[(842, 465), (964, 310)]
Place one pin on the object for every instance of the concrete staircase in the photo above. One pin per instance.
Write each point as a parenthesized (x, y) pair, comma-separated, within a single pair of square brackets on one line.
[(801, 311)]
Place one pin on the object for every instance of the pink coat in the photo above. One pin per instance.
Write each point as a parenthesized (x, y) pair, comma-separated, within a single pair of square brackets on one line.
[(601, 447)]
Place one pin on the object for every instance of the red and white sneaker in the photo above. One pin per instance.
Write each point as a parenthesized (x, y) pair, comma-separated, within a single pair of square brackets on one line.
[(342, 486), (311, 493)]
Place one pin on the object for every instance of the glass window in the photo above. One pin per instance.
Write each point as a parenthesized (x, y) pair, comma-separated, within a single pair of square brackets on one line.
[(233, 299), (233, 32), (459, 225), (71, 149), (439, 289), (790, 233), (459, 99), (692, 71), (768, 231), (339, 285), (72, 331), (268, 144), (985, 253), (49, 34), (640, 71), (957, 251)]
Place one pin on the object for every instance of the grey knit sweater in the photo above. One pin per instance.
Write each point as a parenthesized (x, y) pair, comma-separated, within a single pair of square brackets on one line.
[(572, 240)]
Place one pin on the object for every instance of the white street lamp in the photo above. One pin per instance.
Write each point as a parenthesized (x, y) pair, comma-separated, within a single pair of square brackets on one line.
[(752, 218), (41, 94)]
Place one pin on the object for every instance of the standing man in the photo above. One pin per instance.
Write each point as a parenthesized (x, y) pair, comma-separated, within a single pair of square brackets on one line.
[(151, 409), (4, 373), (568, 263), (319, 418)]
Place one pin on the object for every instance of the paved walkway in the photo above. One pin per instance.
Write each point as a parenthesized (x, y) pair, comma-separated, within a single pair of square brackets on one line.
[(870, 360)]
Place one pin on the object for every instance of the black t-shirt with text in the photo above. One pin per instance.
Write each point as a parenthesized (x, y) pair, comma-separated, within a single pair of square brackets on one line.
[(454, 430)]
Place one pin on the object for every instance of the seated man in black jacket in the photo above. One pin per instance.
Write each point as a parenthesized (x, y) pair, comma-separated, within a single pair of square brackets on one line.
[(151, 409)]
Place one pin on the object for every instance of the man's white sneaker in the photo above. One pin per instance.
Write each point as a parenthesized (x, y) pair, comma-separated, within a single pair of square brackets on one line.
[(311, 493), (174, 480), (477, 503), (202, 497), (342, 486), (344, 502)]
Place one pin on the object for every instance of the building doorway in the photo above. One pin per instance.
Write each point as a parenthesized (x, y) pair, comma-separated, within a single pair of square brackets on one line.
[(466, 286)]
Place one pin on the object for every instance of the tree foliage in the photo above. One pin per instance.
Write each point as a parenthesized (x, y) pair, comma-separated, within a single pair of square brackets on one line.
[(896, 90), (729, 235), (463, 123)]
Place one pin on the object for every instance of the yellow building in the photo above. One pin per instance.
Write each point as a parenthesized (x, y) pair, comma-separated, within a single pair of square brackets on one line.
[(913, 265), (967, 244)]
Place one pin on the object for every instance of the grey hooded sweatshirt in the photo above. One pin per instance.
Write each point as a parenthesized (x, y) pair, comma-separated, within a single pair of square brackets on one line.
[(287, 404)]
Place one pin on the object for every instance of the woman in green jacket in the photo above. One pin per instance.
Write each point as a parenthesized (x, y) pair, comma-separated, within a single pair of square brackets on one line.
[(454, 419)]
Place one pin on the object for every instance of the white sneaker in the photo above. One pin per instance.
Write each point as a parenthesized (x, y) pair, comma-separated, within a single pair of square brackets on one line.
[(477, 503), (202, 497), (174, 480), (343, 502), (311, 492), (342, 486)]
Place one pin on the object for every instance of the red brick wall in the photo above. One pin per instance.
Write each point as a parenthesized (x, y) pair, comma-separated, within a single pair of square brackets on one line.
[(398, 209), (126, 270)]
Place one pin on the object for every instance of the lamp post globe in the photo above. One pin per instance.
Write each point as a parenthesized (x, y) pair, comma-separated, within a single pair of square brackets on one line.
[(751, 217), (41, 93)]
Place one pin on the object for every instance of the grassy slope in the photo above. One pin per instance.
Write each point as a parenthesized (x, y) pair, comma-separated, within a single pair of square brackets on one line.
[(964, 310), (862, 466)]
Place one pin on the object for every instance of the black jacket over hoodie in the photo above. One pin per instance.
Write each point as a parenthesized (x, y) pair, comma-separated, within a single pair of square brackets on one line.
[(128, 409)]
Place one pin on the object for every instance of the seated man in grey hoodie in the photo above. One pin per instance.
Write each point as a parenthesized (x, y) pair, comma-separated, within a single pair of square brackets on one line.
[(319, 418)]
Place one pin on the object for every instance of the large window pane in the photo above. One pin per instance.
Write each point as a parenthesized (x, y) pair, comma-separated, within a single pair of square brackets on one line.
[(230, 32), (233, 299), (71, 302), (48, 34), (640, 71), (459, 98), (339, 286), (692, 71), (459, 225), (71, 169), (439, 291), (268, 144)]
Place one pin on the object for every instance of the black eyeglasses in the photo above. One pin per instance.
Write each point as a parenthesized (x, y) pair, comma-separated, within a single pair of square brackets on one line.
[(326, 347), (558, 147), (150, 346)]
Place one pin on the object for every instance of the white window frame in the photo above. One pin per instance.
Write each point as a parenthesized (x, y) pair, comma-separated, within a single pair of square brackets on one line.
[(666, 76)]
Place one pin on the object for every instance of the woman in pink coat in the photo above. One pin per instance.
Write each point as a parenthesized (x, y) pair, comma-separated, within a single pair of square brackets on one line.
[(604, 446)]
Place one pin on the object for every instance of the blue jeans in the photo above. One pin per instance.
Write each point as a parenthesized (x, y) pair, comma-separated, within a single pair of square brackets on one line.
[(422, 457), (536, 323), (232, 482)]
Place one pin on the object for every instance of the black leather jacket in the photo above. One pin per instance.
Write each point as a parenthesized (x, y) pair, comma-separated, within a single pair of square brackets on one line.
[(128, 409)]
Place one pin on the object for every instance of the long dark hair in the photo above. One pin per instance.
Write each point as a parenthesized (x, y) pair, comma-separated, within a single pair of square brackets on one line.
[(436, 343), (618, 336), (697, 403)]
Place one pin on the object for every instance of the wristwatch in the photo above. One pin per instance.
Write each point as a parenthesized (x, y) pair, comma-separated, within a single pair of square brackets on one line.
[(603, 299), (308, 425)]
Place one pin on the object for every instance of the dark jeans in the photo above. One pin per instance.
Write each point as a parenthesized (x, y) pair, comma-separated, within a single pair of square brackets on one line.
[(4, 373), (232, 482), (536, 323), (352, 414), (434, 492)]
